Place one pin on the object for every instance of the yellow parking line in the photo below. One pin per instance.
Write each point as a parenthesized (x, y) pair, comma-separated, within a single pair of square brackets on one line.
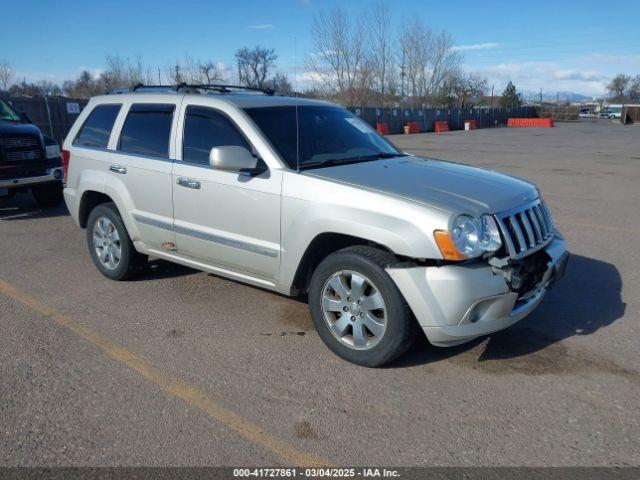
[(173, 386)]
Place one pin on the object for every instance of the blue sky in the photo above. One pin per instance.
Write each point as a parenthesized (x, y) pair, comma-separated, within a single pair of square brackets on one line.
[(555, 45)]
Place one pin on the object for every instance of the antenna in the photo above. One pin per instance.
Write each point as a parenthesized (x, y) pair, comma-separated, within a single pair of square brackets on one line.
[(295, 95)]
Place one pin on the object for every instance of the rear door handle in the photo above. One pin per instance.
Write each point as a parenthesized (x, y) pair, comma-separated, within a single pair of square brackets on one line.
[(188, 183), (118, 169)]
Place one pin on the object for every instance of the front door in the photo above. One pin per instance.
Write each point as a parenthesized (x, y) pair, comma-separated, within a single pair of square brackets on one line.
[(228, 219)]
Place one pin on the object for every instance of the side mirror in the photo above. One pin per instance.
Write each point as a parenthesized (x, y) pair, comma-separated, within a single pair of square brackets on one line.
[(235, 159)]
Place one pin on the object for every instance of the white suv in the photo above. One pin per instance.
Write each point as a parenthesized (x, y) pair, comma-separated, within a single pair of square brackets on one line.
[(301, 197)]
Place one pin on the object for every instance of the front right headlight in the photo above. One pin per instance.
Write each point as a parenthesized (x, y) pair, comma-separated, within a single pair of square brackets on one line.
[(470, 237)]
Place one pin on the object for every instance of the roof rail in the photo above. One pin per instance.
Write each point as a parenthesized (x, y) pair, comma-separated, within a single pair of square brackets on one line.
[(221, 88), (141, 86)]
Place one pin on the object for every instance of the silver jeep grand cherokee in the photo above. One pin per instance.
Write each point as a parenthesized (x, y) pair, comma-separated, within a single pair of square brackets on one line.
[(301, 197)]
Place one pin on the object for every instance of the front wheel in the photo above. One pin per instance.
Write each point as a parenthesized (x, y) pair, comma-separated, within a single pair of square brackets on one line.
[(358, 310), (48, 195)]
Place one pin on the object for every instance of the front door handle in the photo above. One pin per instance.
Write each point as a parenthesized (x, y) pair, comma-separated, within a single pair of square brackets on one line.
[(118, 169), (188, 182)]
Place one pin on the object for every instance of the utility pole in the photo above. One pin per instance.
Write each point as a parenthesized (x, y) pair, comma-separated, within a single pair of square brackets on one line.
[(492, 86), (159, 81), (402, 76)]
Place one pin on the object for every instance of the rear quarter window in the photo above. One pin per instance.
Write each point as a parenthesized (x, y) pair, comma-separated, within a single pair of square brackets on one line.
[(96, 130), (147, 130)]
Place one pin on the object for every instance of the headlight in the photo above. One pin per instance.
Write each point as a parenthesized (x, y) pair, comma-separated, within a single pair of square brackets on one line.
[(53, 151), (474, 236)]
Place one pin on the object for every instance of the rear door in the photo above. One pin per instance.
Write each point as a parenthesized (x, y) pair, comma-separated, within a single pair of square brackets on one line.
[(140, 168)]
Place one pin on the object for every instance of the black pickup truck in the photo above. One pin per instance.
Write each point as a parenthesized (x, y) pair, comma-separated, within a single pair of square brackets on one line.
[(28, 159)]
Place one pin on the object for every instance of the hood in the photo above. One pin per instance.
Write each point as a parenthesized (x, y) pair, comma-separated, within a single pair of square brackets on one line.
[(451, 187), (12, 128)]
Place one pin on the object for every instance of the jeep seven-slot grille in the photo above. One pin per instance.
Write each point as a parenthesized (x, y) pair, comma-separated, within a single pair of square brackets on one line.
[(20, 149), (526, 229)]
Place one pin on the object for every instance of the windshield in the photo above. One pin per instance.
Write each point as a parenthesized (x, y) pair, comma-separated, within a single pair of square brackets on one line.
[(327, 135), (8, 113)]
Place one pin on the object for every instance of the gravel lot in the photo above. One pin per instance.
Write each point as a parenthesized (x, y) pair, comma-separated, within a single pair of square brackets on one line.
[(184, 368)]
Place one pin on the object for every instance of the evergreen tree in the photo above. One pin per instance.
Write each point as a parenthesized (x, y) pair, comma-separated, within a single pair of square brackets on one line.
[(510, 97)]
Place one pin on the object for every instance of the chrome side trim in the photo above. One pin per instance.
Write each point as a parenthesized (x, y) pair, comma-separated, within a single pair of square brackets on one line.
[(229, 242), (153, 222)]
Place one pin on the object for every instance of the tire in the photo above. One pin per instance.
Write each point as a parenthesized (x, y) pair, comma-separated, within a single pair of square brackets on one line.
[(111, 236), (382, 344), (48, 195)]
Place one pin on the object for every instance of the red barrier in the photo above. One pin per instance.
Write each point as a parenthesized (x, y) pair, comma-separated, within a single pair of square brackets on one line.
[(382, 128), (530, 122), (442, 127), (472, 123), (414, 127)]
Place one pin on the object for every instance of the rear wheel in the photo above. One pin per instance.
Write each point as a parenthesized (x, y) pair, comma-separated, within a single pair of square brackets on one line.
[(48, 195), (111, 249), (357, 309)]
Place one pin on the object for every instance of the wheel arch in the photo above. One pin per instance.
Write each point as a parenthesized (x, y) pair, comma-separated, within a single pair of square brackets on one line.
[(319, 248), (90, 199)]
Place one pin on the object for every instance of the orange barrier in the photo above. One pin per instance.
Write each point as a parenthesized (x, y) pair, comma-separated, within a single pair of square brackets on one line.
[(472, 123), (414, 127), (442, 127), (530, 122), (382, 128)]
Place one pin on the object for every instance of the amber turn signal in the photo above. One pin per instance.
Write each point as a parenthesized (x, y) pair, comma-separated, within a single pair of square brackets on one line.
[(446, 246)]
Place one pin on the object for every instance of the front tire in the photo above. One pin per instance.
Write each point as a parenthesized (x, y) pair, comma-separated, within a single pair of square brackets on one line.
[(358, 310), (48, 195), (110, 247)]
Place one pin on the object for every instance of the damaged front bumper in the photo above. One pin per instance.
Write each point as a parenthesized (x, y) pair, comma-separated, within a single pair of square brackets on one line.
[(457, 303)]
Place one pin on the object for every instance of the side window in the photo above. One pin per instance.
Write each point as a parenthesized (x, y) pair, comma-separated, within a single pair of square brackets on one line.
[(205, 128), (97, 128), (147, 130)]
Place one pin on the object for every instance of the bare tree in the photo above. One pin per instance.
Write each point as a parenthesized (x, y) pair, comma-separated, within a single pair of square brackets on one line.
[(443, 63), (618, 86), (339, 58), (415, 44), (174, 72), (634, 89), (381, 49), (6, 75), (209, 72), (254, 65), (280, 84), (463, 89)]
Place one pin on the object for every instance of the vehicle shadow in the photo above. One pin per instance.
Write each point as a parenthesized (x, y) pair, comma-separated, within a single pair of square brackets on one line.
[(158, 269), (587, 299), (24, 207)]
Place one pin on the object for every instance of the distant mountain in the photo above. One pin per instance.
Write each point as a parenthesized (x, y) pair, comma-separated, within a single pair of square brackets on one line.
[(553, 96)]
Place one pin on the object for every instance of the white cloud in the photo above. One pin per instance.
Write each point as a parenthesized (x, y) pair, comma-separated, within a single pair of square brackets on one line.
[(546, 75), (308, 77), (261, 26), (476, 46), (631, 60), (579, 75)]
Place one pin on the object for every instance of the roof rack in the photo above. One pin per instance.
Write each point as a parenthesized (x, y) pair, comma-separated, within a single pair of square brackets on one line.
[(220, 88), (223, 88)]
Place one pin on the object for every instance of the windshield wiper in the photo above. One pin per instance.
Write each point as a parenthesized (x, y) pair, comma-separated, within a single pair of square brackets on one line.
[(345, 161)]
